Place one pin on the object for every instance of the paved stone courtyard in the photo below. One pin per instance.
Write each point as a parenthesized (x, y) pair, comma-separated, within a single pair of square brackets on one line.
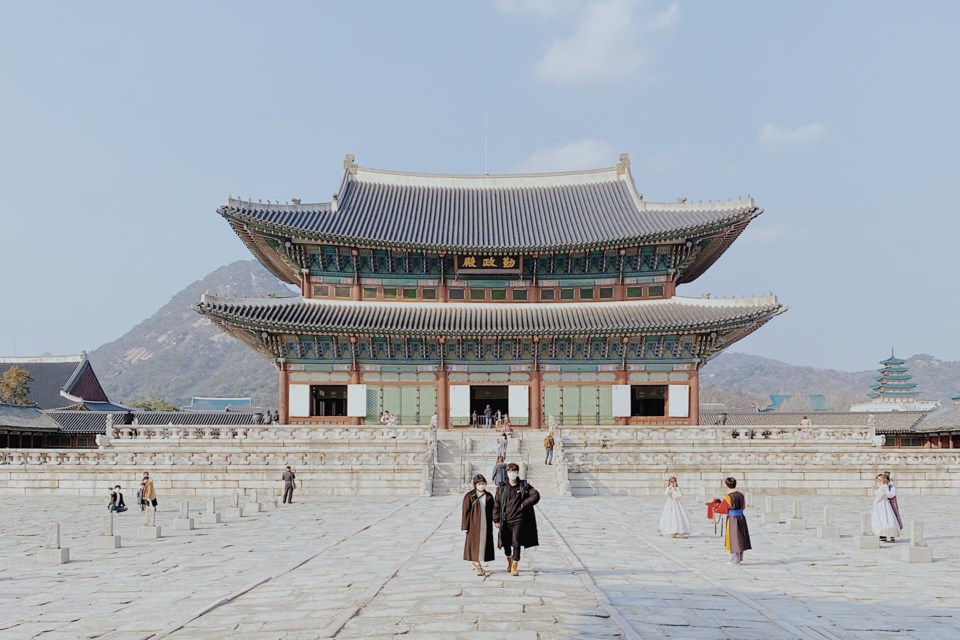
[(391, 567)]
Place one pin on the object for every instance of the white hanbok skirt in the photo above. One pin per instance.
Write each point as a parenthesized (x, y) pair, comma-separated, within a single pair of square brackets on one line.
[(674, 518), (884, 520)]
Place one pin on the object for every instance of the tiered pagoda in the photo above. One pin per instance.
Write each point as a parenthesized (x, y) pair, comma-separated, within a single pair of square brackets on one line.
[(894, 390), (538, 294)]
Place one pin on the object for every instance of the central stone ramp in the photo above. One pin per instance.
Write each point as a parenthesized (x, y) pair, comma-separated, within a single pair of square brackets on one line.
[(463, 453)]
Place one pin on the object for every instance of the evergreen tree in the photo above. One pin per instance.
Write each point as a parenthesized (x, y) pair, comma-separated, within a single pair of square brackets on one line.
[(15, 385)]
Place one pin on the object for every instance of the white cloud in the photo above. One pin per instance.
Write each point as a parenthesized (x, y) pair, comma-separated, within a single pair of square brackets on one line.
[(588, 153), (776, 136), (610, 41)]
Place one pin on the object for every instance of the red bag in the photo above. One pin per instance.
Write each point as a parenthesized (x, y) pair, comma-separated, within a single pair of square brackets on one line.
[(717, 507)]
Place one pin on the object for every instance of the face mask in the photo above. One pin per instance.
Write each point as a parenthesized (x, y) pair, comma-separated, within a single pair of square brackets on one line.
[(513, 475), (481, 488)]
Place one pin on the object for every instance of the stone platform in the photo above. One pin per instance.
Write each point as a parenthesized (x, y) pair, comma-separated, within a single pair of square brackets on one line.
[(385, 567)]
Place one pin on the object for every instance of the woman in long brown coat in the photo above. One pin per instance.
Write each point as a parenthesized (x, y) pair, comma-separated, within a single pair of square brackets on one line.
[(477, 523)]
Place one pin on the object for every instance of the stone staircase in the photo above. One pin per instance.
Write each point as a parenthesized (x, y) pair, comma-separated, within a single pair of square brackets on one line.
[(463, 453)]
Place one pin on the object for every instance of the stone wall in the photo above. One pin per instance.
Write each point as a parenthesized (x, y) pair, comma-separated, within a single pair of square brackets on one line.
[(200, 460), (826, 460), (204, 460)]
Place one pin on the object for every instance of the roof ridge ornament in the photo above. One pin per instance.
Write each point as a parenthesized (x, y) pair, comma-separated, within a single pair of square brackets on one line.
[(349, 164), (624, 164)]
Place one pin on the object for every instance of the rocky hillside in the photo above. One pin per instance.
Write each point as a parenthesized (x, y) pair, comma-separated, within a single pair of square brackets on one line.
[(176, 353)]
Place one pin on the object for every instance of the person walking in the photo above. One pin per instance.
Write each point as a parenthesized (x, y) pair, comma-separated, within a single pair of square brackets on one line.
[(140, 500), (149, 491), (502, 445), (507, 428), (548, 444), (499, 474), (476, 521), (513, 514), (674, 520), (736, 537), (882, 517), (289, 484)]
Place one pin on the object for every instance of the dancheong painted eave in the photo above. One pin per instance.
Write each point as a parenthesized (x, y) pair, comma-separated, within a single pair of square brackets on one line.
[(430, 319), (523, 213)]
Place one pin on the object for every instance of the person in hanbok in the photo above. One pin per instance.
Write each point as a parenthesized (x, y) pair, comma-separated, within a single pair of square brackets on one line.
[(892, 492), (882, 518), (736, 537), (674, 520), (477, 522)]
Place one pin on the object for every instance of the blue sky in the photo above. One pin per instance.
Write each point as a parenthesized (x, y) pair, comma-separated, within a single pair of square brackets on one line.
[(124, 126)]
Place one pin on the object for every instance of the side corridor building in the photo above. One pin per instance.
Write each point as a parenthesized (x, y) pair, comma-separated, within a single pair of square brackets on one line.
[(538, 295)]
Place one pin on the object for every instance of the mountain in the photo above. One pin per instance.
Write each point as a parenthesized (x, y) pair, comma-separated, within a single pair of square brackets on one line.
[(177, 353), (740, 380)]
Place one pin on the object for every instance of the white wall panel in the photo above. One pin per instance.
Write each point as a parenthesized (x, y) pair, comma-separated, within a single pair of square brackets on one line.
[(357, 400), (621, 401), (299, 401), (520, 401), (679, 399), (459, 401)]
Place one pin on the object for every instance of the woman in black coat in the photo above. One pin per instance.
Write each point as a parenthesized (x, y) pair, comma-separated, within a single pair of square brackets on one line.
[(477, 523)]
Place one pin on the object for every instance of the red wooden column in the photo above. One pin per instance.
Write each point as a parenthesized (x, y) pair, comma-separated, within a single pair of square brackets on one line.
[(695, 397), (284, 404), (536, 400), (355, 293), (443, 397)]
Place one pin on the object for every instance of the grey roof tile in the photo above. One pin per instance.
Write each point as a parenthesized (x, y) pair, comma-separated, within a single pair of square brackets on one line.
[(433, 319), (25, 418), (501, 213)]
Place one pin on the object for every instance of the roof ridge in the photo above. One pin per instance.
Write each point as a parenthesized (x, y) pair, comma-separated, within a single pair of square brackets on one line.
[(42, 359)]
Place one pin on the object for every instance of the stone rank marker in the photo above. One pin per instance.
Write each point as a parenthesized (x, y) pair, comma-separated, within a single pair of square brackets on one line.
[(253, 506), (149, 530), (210, 516), (796, 522), (917, 551), (52, 553), (828, 530), (769, 515), (106, 540), (234, 511), (866, 539), (184, 522)]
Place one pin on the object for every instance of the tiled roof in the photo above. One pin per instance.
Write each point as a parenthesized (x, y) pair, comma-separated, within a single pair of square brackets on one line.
[(945, 419), (24, 418), (50, 375), (519, 213), (439, 318), (893, 421), (92, 422)]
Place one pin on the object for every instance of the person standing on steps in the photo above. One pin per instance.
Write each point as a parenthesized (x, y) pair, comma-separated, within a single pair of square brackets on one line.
[(488, 417), (502, 445), (476, 521), (548, 443), (513, 514), (499, 474), (289, 484)]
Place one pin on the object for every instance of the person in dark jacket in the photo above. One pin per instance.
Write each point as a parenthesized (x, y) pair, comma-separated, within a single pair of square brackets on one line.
[(499, 472), (513, 514), (477, 522)]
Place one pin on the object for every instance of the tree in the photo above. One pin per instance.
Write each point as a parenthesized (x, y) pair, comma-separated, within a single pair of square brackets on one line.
[(156, 403), (15, 385)]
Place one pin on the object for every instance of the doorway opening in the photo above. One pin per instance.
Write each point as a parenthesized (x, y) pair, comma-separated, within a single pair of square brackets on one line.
[(648, 400), (328, 400), (497, 397)]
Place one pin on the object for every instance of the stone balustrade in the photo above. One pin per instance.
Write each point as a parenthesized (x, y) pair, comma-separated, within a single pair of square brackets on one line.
[(139, 435), (723, 436)]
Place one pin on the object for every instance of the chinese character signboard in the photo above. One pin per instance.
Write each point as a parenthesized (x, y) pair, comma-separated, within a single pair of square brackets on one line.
[(480, 263)]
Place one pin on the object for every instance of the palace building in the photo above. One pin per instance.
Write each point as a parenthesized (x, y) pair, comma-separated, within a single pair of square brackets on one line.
[(538, 295)]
